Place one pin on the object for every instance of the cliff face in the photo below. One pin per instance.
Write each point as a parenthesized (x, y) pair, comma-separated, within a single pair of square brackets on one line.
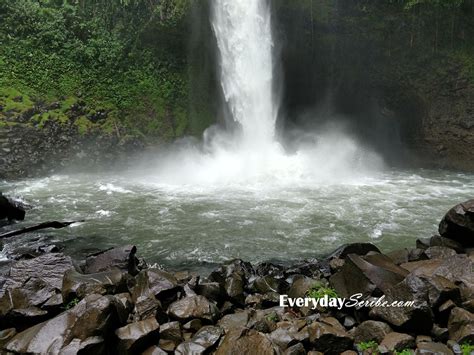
[(402, 78)]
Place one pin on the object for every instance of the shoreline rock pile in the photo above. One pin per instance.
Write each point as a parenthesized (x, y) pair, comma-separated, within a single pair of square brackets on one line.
[(113, 304)]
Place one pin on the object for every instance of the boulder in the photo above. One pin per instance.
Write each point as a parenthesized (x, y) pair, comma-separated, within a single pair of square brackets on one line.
[(245, 341), (458, 224), (81, 327), (461, 326), (397, 341), (366, 274), (289, 333), (329, 336), (171, 336), (212, 291), (297, 349), (235, 320), (418, 317), (137, 337), (10, 210), (208, 336), (353, 248), (432, 348), (233, 276), (438, 241), (76, 285), (193, 307), (371, 330), (158, 283), (154, 350), (121, 257), (439, 252), (188, 347), (300, 285)]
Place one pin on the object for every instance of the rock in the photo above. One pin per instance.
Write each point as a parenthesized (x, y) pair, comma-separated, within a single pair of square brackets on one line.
[(95, 316), (212, 291), (297, 349), (418, 317), (353, 248), (193, 325), (122, 258), (10, 210), (136, 337), (399, 256), (146, 307), (461, 326), (289, 333), (154, 350), (6, 335), (234, 276), (458, 224), (49, 268), (156, 283), (439, 252), (244, 341), (371, 330), (208, 336), (300, 286), (235, 320), (188, 347), (440, 334), (329, 336), (365, 274), (432, 348), (268, 283), (423, 243), (76, 285), (310, 268), (452, 268), (438, 241), (170, 336), (193, 307), (423, 339), (397, 341)]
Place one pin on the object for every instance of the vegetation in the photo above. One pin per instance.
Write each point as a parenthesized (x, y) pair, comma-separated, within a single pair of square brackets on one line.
[(121, 57), (72, 303), (371, 346), (467, 348), (319, 291), (404, 352)]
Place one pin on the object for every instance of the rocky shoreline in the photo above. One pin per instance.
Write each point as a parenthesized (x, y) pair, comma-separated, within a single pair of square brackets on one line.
[(113, 303)]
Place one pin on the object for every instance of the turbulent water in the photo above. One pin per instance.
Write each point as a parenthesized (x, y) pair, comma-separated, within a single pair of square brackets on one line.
[(190, 225), (240, 194)]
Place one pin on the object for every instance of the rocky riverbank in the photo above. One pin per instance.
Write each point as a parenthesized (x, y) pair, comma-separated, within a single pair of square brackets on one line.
[(113, 303)]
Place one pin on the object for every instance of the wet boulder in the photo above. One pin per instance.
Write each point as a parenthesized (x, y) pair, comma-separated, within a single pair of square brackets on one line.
[(417, 317), (329, 336), (81, 327), (366, 274), (238, 319), (171, 336), (245, 341), (289, 333), (193, 307), (437, 252), (137, 337), (10, 210), (160, 284), (461, 326), (76, 285), (371, 330), (458, 224), (123, 258), (300, 285), (438, 241), (233, 276), (212, 291), (397, 342), (432, 348), (208, 336), (360, 249)]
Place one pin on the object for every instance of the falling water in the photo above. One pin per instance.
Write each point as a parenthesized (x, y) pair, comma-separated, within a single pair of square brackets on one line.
[(244, 38)]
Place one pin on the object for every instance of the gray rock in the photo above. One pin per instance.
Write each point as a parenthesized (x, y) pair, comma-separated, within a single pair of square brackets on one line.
[(329, 336), (458, 224), (208, 336), (432, 348), (244, 341), (397, 341), (353, 248), (137, 337), (94, 316), (122, 258), (171, 336), (461, 326), (193, 307), (371, 330)]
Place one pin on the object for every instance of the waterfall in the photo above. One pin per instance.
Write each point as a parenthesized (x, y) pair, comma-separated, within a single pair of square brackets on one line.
[(244, 39)]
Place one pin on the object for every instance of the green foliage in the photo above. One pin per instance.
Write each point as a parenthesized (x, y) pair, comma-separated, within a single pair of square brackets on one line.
[(319, 291), (368, 345), (100, 52), (467, 348), (404, 352), (272, 317), (72, 303)]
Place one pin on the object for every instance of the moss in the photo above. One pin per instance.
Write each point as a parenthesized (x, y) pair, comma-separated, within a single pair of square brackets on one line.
[(83, 125), (181, 122), (13, 100)]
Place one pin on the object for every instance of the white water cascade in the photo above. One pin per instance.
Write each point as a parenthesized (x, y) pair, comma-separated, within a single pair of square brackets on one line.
[(244, 38), (252, 158)]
